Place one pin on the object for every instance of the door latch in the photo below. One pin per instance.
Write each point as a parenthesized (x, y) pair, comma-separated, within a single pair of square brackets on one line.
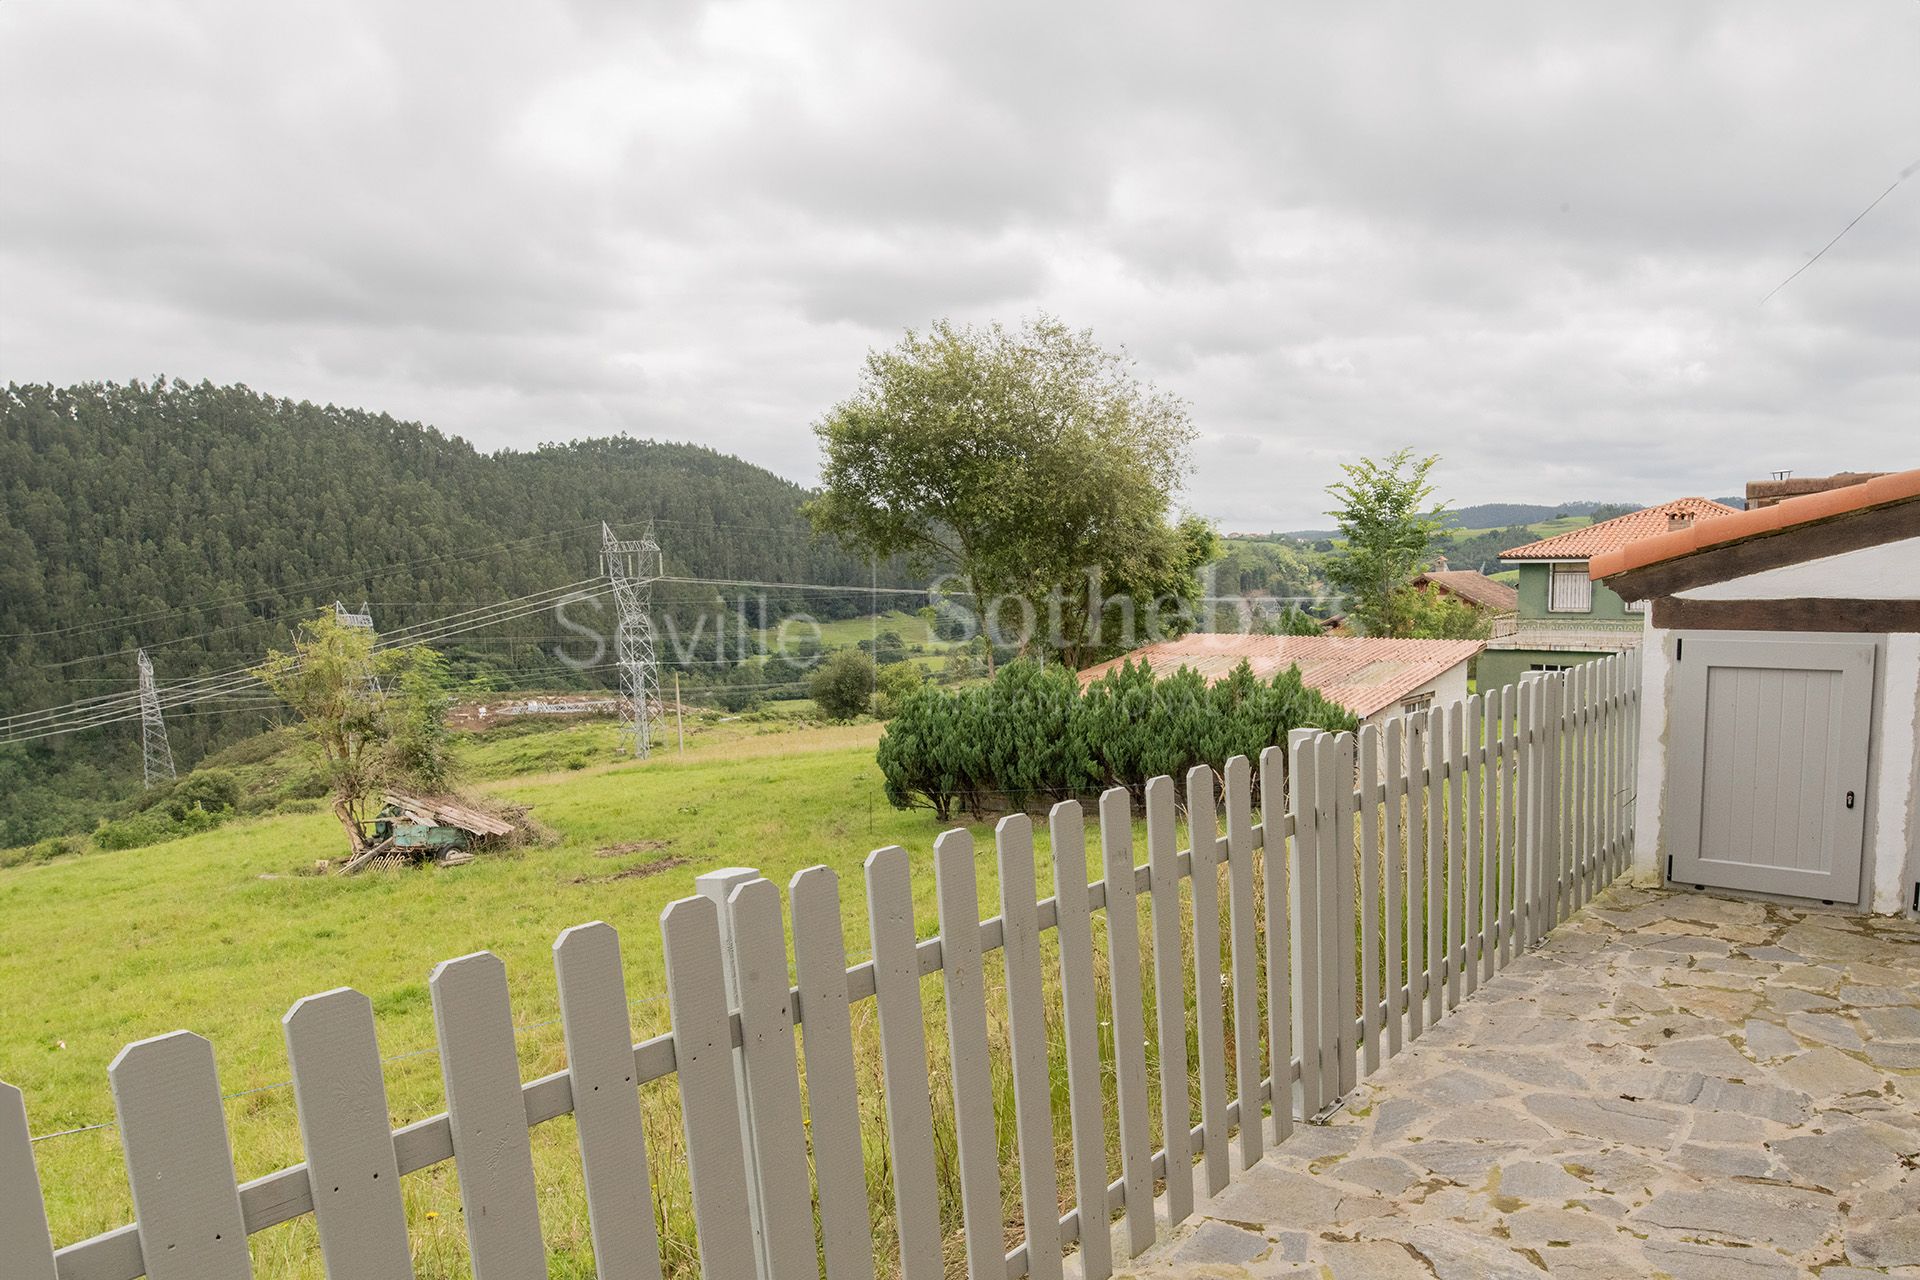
[(1849, 799)]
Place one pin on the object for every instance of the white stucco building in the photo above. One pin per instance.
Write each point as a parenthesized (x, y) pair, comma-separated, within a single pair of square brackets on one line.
[(1781, 697)]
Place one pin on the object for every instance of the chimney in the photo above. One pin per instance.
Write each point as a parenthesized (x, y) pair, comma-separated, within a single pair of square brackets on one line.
[(1678, 520), (1439, 564)]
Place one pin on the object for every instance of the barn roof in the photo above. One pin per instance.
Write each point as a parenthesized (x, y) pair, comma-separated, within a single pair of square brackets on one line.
[(1364, 674), (1473, 587)]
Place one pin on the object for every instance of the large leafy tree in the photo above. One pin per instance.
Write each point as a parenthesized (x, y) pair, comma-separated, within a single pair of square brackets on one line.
[(375, 715), (1387, 528), (1030, 463)]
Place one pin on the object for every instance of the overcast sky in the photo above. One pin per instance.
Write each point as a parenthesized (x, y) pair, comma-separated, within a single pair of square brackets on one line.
[(1530, 237)]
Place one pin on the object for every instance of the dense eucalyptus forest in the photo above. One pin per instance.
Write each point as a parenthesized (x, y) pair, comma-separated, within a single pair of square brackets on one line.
[(203, 522)]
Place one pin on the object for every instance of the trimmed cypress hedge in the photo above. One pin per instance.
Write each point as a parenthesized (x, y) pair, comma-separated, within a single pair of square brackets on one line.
[(1033, 736)]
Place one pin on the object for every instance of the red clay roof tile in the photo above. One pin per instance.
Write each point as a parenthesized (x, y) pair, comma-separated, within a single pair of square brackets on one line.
[(1473, 587), (1594, 539), (1364, 674), (1738, 526)]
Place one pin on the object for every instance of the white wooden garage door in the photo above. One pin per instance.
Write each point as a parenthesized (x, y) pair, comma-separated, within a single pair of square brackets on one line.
[(1768, 765)]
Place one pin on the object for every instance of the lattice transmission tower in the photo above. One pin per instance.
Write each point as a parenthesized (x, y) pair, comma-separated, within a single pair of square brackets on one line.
[(361, 621), (631, 565), (156, 756)]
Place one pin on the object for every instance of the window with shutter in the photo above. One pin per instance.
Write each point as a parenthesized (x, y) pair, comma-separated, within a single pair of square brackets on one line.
[(1571, 590)]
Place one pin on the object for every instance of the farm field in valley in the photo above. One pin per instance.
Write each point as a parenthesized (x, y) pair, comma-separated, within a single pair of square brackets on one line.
[(220, 932)]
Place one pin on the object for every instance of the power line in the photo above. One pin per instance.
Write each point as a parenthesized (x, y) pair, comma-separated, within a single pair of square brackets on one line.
[(1903, 176)]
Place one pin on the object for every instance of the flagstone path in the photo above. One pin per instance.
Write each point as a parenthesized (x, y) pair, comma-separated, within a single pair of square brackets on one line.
[(1674, 1085)]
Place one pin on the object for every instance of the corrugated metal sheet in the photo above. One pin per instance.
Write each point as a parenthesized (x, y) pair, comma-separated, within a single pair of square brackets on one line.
[(1364, 674), (438, 811)]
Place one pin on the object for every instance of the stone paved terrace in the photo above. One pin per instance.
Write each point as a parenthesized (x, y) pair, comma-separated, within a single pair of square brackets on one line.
[(1675, 1085)]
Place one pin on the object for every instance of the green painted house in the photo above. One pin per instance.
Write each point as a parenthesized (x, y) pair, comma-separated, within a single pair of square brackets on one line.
[(1564, 617)]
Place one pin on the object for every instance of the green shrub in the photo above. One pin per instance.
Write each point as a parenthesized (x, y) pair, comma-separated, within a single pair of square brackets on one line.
[(1034, 736), (843, 684), (892, 684)]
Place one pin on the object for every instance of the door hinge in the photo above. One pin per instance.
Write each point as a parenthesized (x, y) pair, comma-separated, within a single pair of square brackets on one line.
[(1679, 647), (1916, 896), (1849, 799), (1669, 866)]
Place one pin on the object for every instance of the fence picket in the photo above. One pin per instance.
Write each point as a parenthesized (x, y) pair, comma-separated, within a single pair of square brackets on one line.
[(1509, 829), (606, 1102), (903, 1062), (709, 1093), (833, 1082), (1566, 850), (1393, 870), (473, 1023), (1416, 915), (1080, 1014), (1617, 843), (1370, 897), (1437, 965), (1129, 1016), (1242, 912), (1609, 691), (1579, 756), (764, 997), (1487, 847), (1310, 975), (1203, 831), (348, 1136), (1526, 844), (1279, 886), (1468, 860), (1603, 771), (166, 1096), (1027, 1034), (1336, 782), (1169, 997), (24, 1241), (958, 893), (1458, 855)]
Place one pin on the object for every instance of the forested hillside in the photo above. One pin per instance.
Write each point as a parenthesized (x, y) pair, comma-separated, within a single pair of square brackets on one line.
[(201, 522)]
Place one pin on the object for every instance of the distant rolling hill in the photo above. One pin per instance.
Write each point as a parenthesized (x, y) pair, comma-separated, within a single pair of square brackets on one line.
[(1495, 515)]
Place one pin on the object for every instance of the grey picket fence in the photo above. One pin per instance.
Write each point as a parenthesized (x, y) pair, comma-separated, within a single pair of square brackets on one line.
[(1398, 869)]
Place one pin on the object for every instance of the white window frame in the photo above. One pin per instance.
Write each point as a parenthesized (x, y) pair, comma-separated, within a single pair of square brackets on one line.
[(1573, 571), (1416, 703), (1635, 606)]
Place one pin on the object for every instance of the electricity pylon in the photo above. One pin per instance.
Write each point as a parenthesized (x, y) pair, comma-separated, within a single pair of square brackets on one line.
[(361, 621), (631, 566), (156, 756)]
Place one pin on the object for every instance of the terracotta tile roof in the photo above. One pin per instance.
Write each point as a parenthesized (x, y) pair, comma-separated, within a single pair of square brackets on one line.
[(1737, 526), (1585, 543), (1473, 587), (1361, 673)]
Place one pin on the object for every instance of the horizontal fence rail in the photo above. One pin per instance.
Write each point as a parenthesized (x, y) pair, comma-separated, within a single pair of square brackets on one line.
[(1330, 906)]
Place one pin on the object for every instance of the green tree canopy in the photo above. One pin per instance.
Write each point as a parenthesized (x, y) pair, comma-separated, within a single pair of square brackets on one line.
[(377, 716), (1386, 537), (843, 684), (1024, 461)]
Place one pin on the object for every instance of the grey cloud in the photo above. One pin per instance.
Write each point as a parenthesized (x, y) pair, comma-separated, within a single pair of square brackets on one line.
[(1530, 238)]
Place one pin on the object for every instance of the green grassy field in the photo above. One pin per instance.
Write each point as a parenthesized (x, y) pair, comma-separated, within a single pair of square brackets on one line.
[(911, 628), (220, 932)]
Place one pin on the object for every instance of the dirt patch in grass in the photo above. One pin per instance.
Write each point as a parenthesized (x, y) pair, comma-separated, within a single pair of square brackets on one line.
[(638, 871), (631, 846)]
